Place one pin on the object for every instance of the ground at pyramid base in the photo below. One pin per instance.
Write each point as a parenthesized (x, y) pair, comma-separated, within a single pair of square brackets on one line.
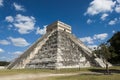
[(57, 49)]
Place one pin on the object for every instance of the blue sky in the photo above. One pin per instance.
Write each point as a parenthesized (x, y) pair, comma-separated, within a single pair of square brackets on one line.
[(22, 22)]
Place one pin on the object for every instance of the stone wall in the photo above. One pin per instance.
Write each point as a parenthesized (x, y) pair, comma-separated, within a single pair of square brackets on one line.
[(59, 51), (46, 56), (58, 25), (70, 55)]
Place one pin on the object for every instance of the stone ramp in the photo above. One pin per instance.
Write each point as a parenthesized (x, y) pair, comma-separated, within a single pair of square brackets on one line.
[(102, 64)]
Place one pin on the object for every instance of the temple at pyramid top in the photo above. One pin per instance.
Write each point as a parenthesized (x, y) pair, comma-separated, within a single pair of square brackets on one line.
[(58, 25)]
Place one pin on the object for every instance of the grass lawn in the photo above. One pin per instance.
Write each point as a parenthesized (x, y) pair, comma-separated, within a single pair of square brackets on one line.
[(114, 76), (86, 77), (25, 71)]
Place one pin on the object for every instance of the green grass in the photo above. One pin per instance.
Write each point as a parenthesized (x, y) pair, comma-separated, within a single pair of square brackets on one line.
[(115, 76), (25, 71), (86, 77), (15, 71), (20, 71)]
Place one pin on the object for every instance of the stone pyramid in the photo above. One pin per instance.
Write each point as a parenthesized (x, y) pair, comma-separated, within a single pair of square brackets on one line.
[(57, 49)]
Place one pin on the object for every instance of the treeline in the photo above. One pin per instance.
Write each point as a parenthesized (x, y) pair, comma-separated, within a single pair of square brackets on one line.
[(110, 50), (4, 63)]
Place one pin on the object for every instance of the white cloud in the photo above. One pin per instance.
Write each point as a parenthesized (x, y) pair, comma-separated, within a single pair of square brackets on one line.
[(89, 21), (24, 24), (103, 17), (88, 40), (41, 31), (3, 57), (1, 2), (20, 42), (92, 41), (100, 6), (117, 8), (10, 27), (9, 19), (113, 31), (18, 7), (118, 1), (92, 47), (100, 36), (1, 50), (17, 52), (4, 42), (113, 22)]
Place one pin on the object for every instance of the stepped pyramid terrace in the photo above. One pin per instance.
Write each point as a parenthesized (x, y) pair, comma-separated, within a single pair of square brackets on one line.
[(57, 49)]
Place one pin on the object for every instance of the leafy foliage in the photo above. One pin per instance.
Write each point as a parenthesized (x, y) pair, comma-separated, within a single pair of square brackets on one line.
[(110, 50), (4, 63), (114, 48)]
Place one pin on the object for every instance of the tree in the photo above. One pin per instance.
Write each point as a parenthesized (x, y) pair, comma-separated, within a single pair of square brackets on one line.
[(114, 48), (103, 52), (4, 63)]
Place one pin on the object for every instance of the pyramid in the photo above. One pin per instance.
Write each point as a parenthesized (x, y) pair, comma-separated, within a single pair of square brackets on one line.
[(57, 49)]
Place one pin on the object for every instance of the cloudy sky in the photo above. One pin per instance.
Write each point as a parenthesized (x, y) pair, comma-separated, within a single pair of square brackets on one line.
[(22, 22)]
